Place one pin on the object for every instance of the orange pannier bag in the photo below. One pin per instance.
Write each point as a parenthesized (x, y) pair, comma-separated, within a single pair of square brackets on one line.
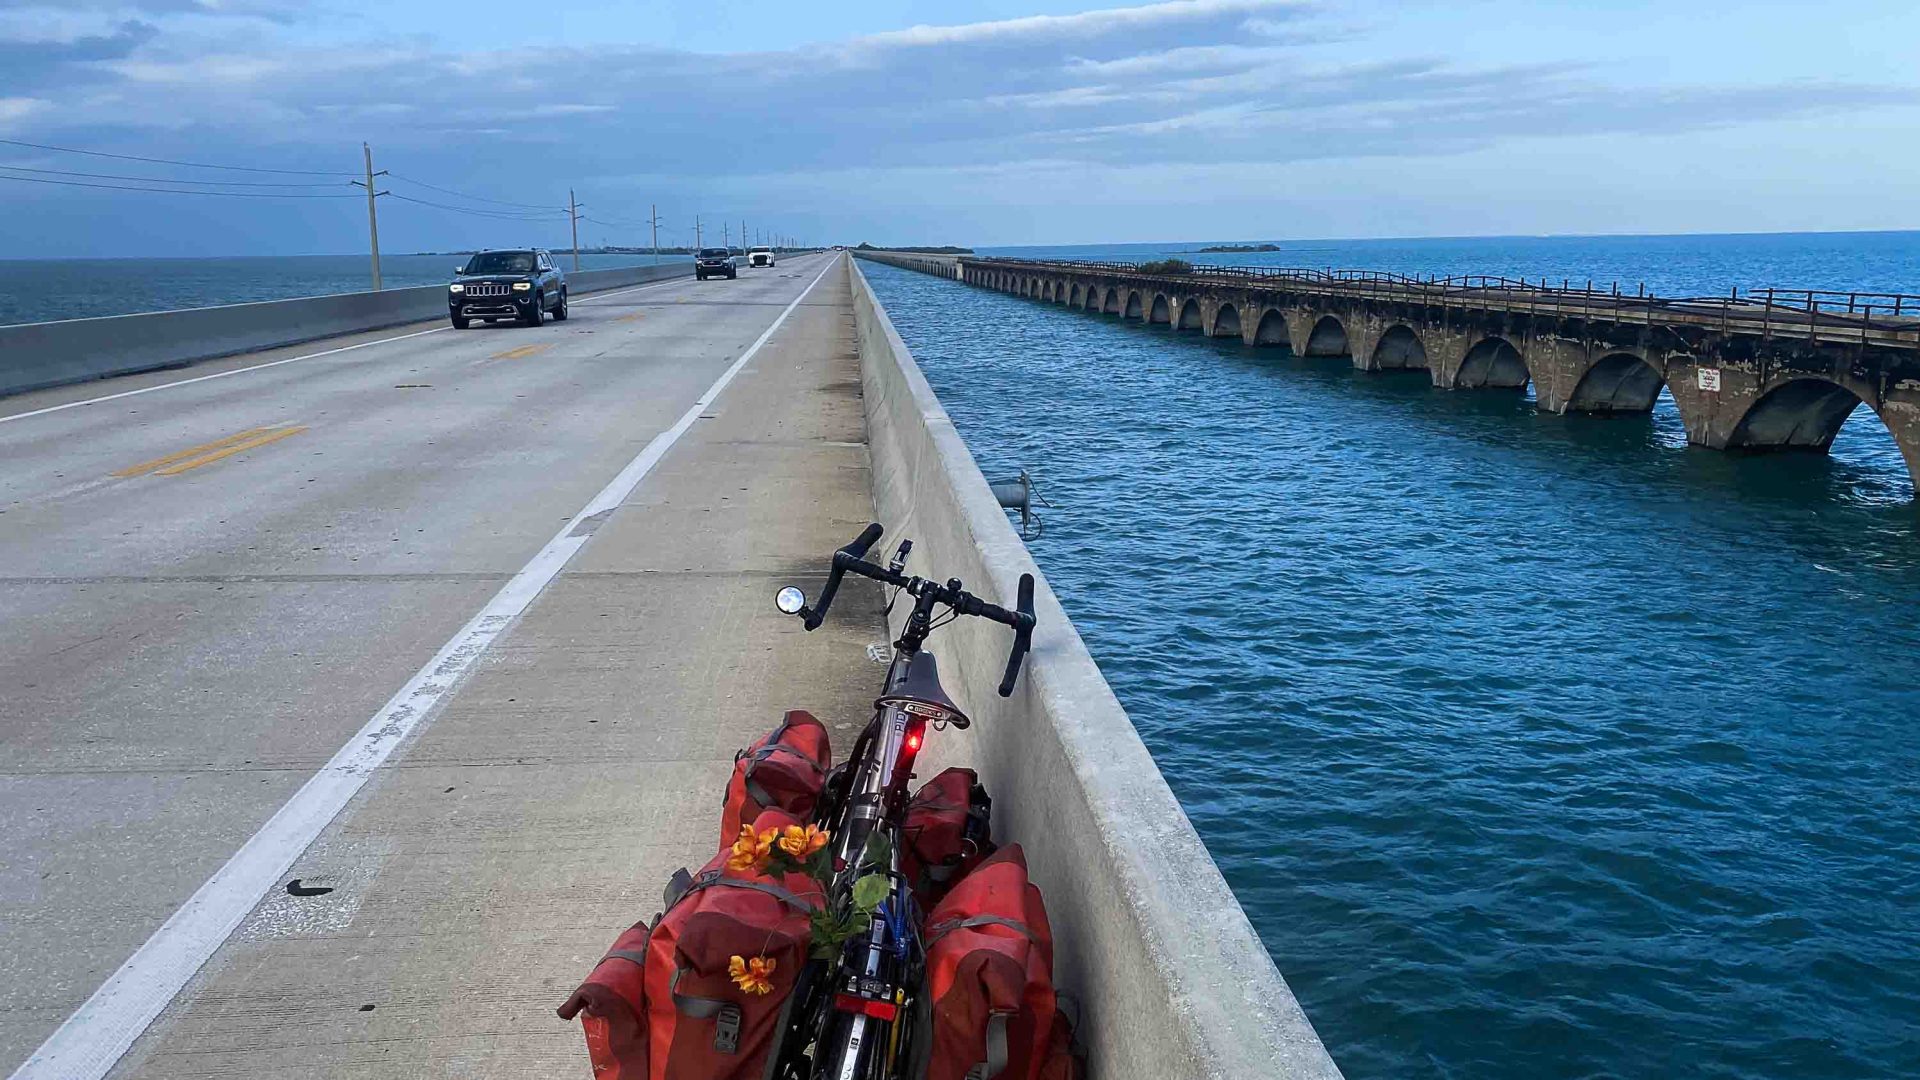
[(663, 1003), (948, 831), (784, 771), (990, 976)]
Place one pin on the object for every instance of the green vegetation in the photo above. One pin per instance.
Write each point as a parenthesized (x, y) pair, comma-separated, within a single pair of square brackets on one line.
[(1166, 266), (918, 250)]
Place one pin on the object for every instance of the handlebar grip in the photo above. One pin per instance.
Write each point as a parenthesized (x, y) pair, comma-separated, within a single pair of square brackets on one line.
[(846, 556), (1022, 636), (866, 539)]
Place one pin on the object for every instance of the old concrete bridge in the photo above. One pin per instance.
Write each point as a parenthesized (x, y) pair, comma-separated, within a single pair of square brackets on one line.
[(1763, 371)]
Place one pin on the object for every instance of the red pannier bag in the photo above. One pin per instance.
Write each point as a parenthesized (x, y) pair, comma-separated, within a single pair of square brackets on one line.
[(948, 831), (783, 771), (1066, 1059), (990, 976), (663, 1005)]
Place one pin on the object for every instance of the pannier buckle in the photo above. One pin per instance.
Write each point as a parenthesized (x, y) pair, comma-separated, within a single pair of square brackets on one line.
[(726, 1030)]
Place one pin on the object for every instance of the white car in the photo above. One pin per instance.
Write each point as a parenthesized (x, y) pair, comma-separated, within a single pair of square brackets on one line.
[(760, 256)]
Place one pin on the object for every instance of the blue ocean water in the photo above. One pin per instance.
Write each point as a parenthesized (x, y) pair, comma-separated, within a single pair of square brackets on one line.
[(1536, 747), (1673, 266), (45, 290)]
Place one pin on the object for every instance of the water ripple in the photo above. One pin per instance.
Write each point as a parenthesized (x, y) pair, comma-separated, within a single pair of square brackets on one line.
[(1535, 747)]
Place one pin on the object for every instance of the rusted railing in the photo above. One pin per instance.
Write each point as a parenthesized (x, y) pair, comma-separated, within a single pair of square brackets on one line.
[(1776, 310)]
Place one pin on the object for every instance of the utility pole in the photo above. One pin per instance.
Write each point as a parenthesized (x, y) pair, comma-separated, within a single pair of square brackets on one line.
[(573, 212), (373, 218), (726, 236), (654, 220), (696, 232)]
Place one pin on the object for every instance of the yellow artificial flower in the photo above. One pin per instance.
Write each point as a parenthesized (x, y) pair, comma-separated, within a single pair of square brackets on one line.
[(754, 976), (799, 843), (750, 851)]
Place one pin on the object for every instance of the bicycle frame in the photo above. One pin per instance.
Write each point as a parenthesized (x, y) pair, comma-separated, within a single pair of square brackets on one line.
[(857, 1004)]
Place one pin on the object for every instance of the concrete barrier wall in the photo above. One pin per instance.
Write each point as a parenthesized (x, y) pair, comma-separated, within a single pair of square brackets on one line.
[(1173, 981), (36, 355), (947, 266)]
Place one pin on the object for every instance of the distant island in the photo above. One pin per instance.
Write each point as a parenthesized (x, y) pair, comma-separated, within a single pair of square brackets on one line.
[(1220, 248), (918, 250)]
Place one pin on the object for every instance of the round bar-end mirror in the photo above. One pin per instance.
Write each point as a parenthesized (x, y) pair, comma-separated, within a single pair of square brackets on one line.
[(790, 600)]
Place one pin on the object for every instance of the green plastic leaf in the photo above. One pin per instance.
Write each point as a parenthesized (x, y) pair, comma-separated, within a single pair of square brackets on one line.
[(868, 892), (879, 850)]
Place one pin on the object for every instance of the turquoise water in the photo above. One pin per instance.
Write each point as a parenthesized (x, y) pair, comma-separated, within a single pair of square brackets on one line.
[(1676, 266), (1535, 747), (44, 290)]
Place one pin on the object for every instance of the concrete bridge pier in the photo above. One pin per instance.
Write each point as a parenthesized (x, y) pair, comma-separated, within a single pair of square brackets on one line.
[(1781, 385)]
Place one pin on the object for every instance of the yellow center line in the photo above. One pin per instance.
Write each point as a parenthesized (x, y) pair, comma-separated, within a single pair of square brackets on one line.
[(192, 451), (521, 352), (631, 318), (207, 459)]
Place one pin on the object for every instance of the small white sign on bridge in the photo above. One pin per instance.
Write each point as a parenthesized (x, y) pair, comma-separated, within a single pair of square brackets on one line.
[(1709, 378)]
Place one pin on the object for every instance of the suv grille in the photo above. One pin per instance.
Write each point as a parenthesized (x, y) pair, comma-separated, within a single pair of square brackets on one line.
[(487, 289)]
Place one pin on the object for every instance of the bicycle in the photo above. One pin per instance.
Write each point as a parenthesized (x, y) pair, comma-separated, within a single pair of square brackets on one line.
[(850, 1018)]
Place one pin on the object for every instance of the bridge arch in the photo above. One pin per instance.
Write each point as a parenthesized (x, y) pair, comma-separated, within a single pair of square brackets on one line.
[(1271, 329), (1400, 349), (1160, 312), (1621, 382), (1094, 300), (1134, 308), (1226, 321), (1328, 337), (1076, 296), (1493, 363), (1189, 317), (1800, 413), (1112, 306)]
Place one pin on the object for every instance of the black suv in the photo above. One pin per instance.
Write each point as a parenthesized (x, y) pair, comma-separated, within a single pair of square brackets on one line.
[(712, 262), (519, 283)]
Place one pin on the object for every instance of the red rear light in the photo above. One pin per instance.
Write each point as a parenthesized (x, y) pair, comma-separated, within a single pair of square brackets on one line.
[(879, 1010), (913, 740)]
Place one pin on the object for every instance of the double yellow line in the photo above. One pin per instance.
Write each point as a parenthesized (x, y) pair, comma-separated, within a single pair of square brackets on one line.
[(521, 353), (207, 453)]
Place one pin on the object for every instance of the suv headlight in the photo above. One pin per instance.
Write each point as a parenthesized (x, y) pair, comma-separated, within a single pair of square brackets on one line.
[(522, 286), (456, 287)]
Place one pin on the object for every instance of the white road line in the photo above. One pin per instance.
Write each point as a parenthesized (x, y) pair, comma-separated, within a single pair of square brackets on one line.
[(589, 298), (101, 1030)]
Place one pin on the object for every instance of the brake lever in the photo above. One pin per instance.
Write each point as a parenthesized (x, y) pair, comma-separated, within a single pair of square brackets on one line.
[(1022, 636)]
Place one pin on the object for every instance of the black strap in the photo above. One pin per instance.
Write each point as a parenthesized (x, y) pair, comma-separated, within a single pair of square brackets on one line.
[(996, 1061), (754, 790), (713, 878), (940, 930), (700, 1008), (726, 1016), (677, 886)]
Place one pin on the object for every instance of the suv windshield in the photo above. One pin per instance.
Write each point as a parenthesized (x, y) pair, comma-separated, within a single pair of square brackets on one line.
[(500, 262), (713, 253)]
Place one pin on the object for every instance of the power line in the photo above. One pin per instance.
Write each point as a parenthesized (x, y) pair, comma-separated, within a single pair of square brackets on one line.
[(164, 179), (167, 161), (177, 191), (503, 215), (464, 195)]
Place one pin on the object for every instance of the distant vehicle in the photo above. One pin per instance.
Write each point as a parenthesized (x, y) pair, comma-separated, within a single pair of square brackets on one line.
[(713, 262), (760, 256), (518, 283)]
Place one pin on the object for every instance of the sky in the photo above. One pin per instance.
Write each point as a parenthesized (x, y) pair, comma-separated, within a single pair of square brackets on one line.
[(1009, 122)]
